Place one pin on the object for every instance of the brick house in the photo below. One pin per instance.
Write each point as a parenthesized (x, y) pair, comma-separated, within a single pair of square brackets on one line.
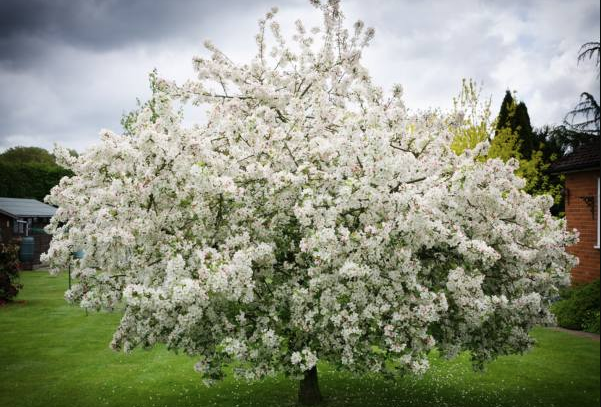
[(25, 217), (582, 169)]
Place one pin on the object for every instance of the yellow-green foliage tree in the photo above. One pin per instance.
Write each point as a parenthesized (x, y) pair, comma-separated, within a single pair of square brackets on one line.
[(471, 120)]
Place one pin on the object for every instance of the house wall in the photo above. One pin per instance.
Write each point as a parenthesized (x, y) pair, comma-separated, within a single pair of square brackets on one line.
[(583, 217), (6, 228)]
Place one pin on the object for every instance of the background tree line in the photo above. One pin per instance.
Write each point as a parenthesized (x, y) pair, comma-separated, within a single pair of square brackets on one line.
[(29, 172)]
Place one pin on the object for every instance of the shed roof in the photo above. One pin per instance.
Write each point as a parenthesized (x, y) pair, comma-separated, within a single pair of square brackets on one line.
[(25, 208), (587, 156)]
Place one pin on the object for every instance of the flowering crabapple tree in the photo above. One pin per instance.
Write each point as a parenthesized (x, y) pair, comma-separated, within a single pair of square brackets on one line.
[(310, 218)]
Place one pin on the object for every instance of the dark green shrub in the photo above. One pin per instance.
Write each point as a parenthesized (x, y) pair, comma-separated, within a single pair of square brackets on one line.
[(591, 324), (579, 307), (9, 272)]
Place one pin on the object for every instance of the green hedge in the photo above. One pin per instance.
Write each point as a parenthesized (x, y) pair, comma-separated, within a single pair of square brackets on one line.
[(579, 308), (29, 180)]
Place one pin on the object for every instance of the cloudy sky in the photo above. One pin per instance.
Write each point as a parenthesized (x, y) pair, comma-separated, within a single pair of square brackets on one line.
[(69, 68)]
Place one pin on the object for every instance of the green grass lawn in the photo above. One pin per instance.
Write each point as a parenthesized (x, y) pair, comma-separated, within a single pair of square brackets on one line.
[(53, 354)]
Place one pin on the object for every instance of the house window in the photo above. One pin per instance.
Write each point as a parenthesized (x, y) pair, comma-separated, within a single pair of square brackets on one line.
[(19, 227)]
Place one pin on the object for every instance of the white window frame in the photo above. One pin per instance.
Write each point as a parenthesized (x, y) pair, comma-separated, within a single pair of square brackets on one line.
[(598, 212)]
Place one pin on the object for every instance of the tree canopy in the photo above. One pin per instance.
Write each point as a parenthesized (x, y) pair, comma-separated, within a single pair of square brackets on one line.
[(312, 217)]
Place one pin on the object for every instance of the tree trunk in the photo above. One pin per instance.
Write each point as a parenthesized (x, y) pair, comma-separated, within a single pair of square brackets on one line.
[(308, 390)]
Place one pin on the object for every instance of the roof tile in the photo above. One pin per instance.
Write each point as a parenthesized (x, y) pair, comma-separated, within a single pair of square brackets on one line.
[(587, 156)]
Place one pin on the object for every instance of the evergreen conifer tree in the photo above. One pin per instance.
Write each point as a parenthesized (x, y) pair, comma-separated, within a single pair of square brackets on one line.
[(507, 107), (520, 124)]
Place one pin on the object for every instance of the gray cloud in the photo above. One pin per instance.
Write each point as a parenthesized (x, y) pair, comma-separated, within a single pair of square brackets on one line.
[(30, 28), (68, 69)]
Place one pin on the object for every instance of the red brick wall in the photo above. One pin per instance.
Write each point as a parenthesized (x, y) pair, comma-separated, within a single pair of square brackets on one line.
[(579, 216)]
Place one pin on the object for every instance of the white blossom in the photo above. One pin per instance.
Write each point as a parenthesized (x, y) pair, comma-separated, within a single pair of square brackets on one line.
[(310, 218)]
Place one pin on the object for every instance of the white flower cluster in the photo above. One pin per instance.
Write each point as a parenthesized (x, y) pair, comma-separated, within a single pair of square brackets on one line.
[(304, 359), (309, 218)]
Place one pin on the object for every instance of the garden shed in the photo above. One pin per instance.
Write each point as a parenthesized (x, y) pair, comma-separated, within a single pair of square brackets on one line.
[(25, 217), (582, 169)]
